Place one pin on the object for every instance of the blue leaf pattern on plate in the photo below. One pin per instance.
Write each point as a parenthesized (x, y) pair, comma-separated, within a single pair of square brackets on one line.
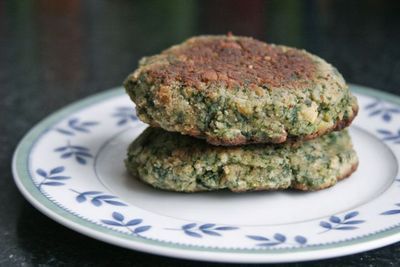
[(389, 135), (74, 126), (97, 198), (124, 115), (300, 239), (52, 178), (118, 221), (277, 239), (392, 211), (379, 108), (336, 223), (199, 230), (80, 153)]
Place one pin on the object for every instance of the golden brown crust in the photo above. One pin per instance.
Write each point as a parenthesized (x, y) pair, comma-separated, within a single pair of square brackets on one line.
[(187, 89), (234, 61)]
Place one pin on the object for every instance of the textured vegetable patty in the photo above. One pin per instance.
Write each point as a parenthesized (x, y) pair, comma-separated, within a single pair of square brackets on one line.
[(237, 90), (170, 161)]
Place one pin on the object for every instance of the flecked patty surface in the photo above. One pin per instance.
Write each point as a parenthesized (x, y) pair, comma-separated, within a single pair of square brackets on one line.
[(170, 161), (237, 90)]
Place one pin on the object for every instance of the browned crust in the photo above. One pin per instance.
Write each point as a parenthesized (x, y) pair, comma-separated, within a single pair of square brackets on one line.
[(241, 140), (304, 187), (233, 61)]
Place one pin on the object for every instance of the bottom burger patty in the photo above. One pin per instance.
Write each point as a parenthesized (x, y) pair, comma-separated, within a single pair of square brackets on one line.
[(175, 162)]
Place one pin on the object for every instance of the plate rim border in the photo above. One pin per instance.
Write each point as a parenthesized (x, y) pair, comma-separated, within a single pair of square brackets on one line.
[(74, 222)]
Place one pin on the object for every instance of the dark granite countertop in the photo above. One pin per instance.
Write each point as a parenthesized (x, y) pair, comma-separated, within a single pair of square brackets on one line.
[(55, 52)]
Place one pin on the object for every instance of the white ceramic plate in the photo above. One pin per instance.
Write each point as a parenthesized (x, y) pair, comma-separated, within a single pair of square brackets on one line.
[(70, 167)]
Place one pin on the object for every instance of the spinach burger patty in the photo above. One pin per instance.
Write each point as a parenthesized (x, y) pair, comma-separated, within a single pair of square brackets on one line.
[(237, 90), (170, 161)]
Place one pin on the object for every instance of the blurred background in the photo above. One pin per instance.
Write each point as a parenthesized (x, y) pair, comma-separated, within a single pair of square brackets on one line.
[(53, 52)]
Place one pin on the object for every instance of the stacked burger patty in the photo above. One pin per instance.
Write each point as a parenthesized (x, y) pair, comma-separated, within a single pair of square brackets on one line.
[(228, 112)]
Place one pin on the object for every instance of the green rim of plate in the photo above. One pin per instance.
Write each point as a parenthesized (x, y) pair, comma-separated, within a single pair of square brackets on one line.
[(74, 221)]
